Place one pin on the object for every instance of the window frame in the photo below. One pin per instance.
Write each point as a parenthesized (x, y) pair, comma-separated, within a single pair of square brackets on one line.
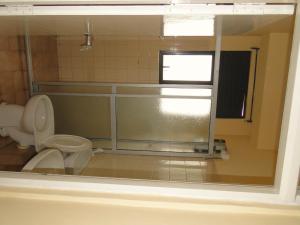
[(162, 53), (284, 190)]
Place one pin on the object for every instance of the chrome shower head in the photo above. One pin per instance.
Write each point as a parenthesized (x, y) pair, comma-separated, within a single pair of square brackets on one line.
[(88, 38)]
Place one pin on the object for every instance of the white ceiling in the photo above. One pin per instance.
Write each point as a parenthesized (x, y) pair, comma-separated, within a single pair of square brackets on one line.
[(132, 25)]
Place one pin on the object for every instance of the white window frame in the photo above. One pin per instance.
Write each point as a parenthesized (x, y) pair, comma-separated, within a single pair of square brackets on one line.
[(285, 189)]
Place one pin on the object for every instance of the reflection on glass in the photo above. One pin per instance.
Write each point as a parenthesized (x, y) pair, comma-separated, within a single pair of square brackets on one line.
[(187, 67), (185, 91), (184, 107)]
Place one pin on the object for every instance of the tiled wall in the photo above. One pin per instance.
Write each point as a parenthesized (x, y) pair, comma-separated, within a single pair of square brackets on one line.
[(44, 58), (115, 60), (13, 81), (13, 69)]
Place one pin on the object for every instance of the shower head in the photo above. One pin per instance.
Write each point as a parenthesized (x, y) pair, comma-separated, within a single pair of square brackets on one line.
[(87, 42), (88, 38)]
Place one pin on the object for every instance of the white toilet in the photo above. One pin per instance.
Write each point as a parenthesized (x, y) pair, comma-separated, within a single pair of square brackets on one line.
[(34, 125)]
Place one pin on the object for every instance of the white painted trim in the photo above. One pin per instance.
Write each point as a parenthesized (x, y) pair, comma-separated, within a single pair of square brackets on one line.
[(288, 161), (143, 187), (190, 9), (118, 2)]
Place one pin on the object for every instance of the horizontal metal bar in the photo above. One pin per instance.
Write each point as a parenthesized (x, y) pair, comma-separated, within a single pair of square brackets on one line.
[(96, 84), (162, 96), (173, 9), (124, 95), (73, 94), (158, 153), (163, 142)]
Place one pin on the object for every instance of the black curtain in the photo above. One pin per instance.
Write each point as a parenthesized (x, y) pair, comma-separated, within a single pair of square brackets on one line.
[(233, 84)]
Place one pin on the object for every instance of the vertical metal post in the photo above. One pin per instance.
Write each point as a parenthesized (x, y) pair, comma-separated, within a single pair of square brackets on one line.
[(28, 60), (113, 118), (213, 110)]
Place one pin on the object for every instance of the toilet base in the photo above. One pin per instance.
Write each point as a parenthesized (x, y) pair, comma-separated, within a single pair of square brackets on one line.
[(77, 161)]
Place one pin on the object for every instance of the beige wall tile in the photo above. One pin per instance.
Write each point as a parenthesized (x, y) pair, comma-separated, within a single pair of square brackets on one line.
[(45, 58), (99, 62), (4, 44), (13, 84)]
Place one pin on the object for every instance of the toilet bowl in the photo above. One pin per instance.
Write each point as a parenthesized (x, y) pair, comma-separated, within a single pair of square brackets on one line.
[(48, 161), (34, 125)]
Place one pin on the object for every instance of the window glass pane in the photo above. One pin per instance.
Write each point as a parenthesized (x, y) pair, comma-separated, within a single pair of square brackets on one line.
[(187, 67)]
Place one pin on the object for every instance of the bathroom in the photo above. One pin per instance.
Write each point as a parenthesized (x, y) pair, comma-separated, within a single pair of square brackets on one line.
[(105, 77)]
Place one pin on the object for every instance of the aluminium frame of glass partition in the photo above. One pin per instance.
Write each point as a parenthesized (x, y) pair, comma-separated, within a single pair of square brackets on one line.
[(114, 92)]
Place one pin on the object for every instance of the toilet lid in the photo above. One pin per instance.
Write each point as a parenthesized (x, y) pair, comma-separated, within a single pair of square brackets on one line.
[(68, 143), (38, 119)]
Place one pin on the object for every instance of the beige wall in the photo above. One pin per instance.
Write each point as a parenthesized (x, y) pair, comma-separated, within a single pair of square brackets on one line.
[(273, 91), (13, 82), (270, 90), (44, 58), (36, 207)]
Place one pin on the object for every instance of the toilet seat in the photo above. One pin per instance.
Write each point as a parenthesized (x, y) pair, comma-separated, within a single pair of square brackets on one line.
[(68, 143)]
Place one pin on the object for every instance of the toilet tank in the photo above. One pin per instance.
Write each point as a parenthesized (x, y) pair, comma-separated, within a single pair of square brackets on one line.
[(10, 115)]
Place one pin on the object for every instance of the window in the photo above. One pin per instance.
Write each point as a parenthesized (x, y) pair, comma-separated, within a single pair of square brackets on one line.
[(197, 68), (186, 67)]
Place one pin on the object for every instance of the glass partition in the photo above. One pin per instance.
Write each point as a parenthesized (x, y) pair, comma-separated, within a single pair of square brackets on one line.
[(86, 116), (158, 124)]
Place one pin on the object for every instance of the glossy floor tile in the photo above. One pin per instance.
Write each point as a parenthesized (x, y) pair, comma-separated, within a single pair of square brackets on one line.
[(246, 165), (182, 169)]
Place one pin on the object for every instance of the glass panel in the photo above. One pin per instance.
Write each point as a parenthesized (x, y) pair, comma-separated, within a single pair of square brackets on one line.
[(84, 116), (162, 120), (198, 65)]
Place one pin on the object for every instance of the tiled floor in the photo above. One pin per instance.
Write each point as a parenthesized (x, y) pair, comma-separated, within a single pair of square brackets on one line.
[(246, 165), (163, 168), (147, 167)]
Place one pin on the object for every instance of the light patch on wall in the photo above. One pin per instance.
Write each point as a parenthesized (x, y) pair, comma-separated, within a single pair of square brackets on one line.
[(177, 26)]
